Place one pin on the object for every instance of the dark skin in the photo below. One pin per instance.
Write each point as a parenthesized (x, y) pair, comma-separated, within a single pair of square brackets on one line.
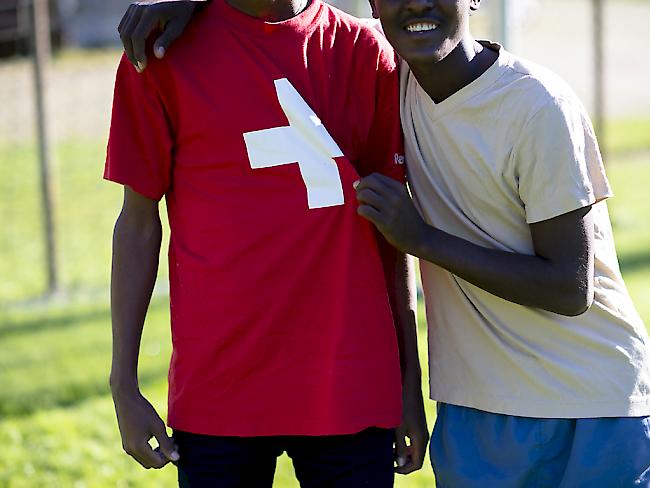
[(444, 59), (136, 248), (400, 279), (172, 18), (140, 21), (558, 278), (137, 241)]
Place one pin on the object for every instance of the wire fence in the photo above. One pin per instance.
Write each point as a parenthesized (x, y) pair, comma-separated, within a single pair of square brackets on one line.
[(78, 93)]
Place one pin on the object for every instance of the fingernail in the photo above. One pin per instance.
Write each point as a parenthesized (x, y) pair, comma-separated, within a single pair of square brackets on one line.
[(175, 456), (160, 51), (355, 184), (139, 67), (401, 462)]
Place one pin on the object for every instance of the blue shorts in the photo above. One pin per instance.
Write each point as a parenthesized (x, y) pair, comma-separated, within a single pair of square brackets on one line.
[(472, 448)]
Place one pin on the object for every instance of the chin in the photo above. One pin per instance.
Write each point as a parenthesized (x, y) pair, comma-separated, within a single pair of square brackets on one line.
[(412, 53), (421, 57)]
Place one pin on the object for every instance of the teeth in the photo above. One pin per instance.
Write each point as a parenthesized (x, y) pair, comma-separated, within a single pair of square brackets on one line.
[(421, 27)]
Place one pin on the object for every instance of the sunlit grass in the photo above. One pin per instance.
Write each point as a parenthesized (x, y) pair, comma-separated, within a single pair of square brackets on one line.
[(57, 424), (627, 135)]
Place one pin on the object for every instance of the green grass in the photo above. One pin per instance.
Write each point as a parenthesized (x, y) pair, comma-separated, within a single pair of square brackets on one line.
[(630, 211), (85, 210), (85, 207), (56, 416), (57, 425), (627, 135)]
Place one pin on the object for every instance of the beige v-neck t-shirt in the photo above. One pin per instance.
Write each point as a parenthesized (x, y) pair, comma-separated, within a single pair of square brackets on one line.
[(513, 148)]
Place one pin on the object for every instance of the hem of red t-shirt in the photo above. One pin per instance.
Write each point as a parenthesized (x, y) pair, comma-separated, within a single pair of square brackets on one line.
[(225, 429)]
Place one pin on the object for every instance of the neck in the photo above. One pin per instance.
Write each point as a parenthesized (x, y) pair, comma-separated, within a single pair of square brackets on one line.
[(270, 10), (467, 62)]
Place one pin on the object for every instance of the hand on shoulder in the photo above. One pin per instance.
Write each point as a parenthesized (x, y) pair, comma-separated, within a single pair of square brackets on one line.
[(143, 17)]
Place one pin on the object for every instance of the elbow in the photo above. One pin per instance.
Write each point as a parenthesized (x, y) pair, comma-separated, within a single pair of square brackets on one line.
[(142, 228), (576, 308), (577, 300)]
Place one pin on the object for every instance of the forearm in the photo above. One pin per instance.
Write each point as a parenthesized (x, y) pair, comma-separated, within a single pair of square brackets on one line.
[(528, 280), (558, 277), (400, 279), (136, 249)]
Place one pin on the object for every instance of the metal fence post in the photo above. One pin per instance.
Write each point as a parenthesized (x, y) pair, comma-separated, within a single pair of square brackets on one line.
[(504, 23), (599, 73), (41, 57)]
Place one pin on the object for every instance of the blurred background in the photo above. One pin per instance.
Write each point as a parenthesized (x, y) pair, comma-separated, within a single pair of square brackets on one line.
[(57, 65)]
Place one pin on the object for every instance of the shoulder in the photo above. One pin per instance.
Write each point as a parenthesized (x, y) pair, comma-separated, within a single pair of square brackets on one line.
[(539, 89), (364, 34)]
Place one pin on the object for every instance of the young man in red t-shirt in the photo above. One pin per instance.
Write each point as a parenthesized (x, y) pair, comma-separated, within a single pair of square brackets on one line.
[(283, 318)]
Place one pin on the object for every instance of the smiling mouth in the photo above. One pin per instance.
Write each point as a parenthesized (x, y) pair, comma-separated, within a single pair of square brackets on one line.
[(421, 27)]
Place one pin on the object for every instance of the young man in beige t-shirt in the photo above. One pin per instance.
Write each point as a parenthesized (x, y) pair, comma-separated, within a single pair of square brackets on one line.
[(538, 360)]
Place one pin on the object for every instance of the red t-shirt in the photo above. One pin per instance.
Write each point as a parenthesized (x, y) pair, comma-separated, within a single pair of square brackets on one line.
[(255, 132)]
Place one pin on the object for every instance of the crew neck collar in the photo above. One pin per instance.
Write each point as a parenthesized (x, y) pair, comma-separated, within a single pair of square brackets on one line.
[(302, 23)]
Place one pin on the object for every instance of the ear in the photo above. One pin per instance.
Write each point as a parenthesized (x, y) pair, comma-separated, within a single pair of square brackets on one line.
[(474, 5), (373, 8)]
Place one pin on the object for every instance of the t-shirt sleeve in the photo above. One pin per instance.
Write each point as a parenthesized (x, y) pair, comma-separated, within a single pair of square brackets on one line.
[(558, 162), (140, 142), (384, 149)]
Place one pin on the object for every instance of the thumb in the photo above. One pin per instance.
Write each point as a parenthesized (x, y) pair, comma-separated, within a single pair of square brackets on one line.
[(166, 443), (173, 29), (401, 449)]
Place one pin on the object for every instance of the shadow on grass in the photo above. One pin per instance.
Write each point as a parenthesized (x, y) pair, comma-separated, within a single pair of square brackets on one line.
[(11, 327), (67, 367), (72, 395), (41, 318)]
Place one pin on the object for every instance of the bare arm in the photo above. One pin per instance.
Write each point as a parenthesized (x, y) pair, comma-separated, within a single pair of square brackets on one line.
[(136, 248), (400, 278), (558, 278)]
